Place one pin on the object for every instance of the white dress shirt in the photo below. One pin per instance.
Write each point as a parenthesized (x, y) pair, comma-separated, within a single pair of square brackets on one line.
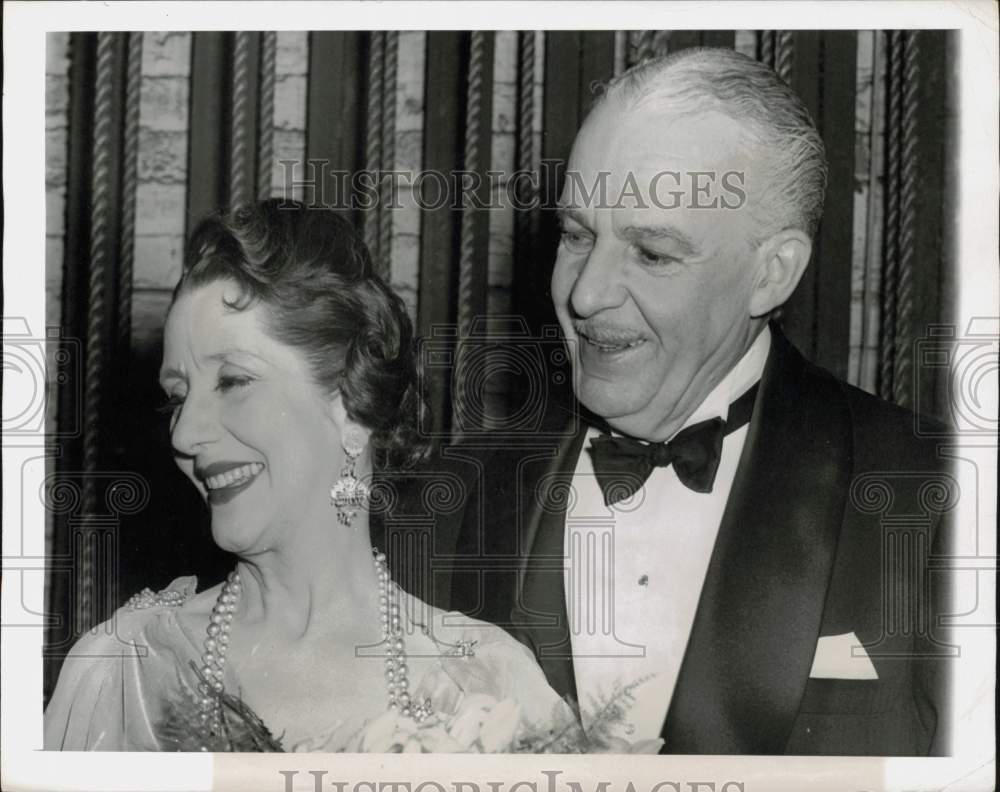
[(636, 568)]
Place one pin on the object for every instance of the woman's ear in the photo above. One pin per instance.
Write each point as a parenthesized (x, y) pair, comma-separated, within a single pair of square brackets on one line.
[(353, 436), (782, 260)]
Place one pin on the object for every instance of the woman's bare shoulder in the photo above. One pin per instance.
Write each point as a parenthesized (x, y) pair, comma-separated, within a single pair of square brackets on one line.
[(454, 628)]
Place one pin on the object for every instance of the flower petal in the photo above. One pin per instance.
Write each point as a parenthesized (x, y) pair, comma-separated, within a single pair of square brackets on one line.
[(614, 745), (464, 727), (499, 726), (413, 746), (437, 740), (647, 746), (378, 735)]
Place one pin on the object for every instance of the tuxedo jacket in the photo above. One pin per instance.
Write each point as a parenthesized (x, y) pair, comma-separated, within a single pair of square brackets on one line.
[(832, 526)]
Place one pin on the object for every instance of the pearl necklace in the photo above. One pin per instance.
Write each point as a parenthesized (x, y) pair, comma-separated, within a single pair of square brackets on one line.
[(213, 659)]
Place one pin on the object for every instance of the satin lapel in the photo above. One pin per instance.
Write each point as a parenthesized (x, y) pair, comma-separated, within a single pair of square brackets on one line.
[(540, 611), (755, 632)]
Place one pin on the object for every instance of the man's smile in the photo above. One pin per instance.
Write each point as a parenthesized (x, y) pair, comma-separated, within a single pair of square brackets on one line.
[(608, 340), (612, 347)]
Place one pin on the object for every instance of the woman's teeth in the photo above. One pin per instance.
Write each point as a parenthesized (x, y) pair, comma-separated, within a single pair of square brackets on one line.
[(234, 477)]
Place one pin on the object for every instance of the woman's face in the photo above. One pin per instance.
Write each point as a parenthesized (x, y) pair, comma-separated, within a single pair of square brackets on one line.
[(249, 426)]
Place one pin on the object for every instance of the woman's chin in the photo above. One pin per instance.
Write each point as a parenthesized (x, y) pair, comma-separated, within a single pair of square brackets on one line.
[(233, 538)]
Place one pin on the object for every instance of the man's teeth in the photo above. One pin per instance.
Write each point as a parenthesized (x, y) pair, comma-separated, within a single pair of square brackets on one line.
[(614, 346), (235, 476)]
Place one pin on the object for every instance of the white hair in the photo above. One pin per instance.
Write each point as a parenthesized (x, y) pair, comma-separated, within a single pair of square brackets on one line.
[(777, 122)]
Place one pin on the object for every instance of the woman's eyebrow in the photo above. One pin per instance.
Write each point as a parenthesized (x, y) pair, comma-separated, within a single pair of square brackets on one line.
[(223, 355)]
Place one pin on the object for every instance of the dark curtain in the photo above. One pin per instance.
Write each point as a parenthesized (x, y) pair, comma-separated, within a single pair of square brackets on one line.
[(133, 521)]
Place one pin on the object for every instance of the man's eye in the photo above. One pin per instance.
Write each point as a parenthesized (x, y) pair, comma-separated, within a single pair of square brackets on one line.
[(651, 258), (576, 241), (229, 381)]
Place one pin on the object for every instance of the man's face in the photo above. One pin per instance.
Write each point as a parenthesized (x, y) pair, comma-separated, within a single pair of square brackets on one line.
[(652, 289)]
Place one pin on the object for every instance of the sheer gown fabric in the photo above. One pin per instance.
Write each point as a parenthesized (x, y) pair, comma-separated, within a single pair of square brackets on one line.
[(116, 681)]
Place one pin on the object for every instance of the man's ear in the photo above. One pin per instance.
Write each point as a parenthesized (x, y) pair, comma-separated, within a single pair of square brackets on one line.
[(782, 259), (351, 432)]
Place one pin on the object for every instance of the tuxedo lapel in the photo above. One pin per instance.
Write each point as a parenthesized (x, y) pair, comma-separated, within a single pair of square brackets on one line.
[(755, 631), (540, 610)]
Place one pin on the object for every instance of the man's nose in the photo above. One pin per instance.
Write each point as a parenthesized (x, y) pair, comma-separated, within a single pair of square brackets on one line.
[(598, 284), (195, 424)]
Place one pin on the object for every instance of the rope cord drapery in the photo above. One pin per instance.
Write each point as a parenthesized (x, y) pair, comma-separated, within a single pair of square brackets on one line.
[(238, 153), (896, 371), (265, 121), (464, 413)]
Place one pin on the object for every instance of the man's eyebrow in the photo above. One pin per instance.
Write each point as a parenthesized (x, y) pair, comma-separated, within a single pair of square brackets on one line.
[(571, 213), (645, 233)]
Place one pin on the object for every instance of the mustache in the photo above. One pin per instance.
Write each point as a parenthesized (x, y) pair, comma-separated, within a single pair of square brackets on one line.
[(606, 332)]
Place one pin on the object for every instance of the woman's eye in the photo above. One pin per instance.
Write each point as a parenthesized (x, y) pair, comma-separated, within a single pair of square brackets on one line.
[(576, 241), (229, 381)]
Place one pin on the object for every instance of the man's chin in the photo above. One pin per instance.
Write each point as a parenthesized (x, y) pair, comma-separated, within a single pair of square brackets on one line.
[(607, 399)]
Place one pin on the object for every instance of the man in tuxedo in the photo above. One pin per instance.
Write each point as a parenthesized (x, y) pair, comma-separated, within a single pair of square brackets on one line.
[(705, 524)]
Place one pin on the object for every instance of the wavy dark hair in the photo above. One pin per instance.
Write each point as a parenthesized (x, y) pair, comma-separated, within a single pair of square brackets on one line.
[(314, 275)]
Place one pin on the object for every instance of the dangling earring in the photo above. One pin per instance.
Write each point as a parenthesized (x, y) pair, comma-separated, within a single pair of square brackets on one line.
[(348, 493)]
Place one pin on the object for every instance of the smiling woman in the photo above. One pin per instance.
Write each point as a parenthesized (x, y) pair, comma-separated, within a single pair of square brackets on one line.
[(290, 378)]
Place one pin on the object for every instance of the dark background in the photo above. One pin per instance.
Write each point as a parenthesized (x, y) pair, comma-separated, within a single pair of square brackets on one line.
[(103, 550)]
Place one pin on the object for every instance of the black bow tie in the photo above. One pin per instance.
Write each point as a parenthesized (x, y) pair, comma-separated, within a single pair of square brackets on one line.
[(623, 464)]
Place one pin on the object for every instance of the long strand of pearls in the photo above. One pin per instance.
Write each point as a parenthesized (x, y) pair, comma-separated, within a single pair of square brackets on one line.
[(213, 659), (396, 672), (216, 645)]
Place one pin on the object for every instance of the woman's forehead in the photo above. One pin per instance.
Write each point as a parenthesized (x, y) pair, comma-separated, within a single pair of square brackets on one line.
[(202, 325)]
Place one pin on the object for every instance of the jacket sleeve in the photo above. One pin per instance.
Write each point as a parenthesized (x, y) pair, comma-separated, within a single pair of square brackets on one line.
[(933, 690)]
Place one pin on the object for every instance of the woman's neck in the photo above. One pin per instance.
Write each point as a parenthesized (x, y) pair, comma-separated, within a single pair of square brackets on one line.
[(312, 587)]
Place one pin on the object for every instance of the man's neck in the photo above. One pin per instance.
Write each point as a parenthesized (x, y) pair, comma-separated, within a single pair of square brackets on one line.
[(720, 391), (737, 381)]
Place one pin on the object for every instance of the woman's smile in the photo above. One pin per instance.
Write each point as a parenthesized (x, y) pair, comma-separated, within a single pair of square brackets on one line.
[(226, 484)]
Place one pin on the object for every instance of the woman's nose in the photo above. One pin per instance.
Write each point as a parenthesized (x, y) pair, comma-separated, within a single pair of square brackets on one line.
[(195, 424)]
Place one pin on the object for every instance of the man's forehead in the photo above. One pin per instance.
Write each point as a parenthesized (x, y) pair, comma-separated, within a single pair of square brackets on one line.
[(653, 137), (647, 158)]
